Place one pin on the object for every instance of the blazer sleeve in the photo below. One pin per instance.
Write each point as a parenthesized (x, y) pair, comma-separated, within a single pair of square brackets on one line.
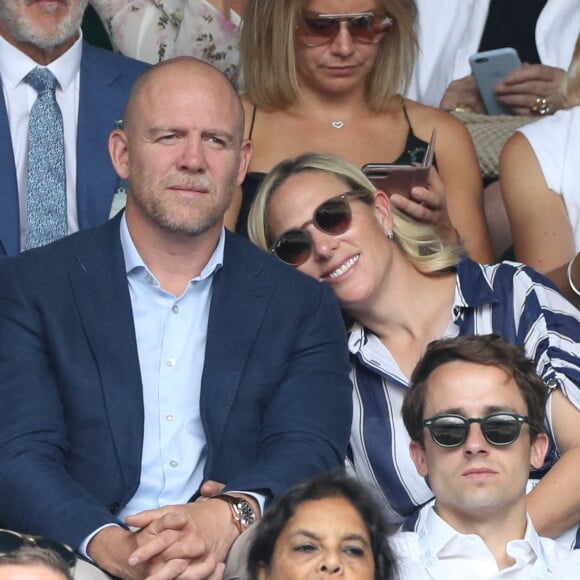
[(292, 413), (38, 494)]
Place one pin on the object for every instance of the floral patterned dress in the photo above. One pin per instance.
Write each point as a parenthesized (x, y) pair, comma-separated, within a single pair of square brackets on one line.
[(156, 30)]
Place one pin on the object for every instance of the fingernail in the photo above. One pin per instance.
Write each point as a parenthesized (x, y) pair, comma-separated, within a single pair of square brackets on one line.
[(133, 561)]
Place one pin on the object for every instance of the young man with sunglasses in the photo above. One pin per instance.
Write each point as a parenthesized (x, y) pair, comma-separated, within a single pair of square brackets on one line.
[(475, 412)]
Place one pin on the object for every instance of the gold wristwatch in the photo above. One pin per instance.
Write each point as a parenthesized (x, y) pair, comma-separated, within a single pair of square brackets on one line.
[(243, 514)]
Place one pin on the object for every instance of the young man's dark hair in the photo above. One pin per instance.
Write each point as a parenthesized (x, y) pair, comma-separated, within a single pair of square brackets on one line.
[(488, 350)]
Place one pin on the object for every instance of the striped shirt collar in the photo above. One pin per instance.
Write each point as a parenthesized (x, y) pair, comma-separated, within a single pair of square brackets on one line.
[(472, 289)]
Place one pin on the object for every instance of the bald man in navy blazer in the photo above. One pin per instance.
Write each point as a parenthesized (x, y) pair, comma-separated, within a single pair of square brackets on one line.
[(103, 84), (156, 352)]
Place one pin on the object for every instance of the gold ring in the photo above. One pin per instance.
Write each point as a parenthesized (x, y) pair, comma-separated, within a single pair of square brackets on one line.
[(461, 108), (541, 107)]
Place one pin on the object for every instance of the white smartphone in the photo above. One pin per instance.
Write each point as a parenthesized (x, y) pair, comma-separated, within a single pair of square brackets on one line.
[(489, 68)]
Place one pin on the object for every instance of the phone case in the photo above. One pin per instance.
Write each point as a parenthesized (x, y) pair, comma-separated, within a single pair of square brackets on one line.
[(489, 68), (395, 178)]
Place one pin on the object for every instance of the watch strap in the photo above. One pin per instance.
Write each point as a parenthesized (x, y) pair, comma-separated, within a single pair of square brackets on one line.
[(243, 514)]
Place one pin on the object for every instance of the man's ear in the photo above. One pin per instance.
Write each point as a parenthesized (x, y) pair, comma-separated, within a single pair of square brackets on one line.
[(417, 452), (119, 152), (246, 150), (538, 450)]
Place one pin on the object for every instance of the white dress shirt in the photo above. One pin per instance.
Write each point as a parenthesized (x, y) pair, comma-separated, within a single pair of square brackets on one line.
[(438, 551), (19, 98)]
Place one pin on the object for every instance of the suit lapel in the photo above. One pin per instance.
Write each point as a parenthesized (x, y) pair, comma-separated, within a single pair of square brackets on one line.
[(100, 286), (96, 121), (237, 308), (9, 214)]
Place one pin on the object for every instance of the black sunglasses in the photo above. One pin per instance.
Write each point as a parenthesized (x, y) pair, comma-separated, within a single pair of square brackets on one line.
[(332, 217), (365, 27), (11, 541), (499, 429)]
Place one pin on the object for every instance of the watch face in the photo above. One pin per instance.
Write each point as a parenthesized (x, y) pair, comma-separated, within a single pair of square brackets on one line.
[(246, 513)]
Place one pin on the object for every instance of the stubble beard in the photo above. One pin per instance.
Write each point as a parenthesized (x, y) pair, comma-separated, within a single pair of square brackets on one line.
[(23, 30), (197, 215)]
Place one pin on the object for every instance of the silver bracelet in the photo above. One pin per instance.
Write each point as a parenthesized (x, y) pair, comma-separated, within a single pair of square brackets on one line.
[(569, 273)]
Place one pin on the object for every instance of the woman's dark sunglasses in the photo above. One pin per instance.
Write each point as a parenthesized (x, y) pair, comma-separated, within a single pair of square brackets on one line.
[(499, 429), (332, 217), (364, 27), (11, 541)]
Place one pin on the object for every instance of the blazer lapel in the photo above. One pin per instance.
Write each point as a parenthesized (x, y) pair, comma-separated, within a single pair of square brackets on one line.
[(236, 313), (96, 121), (9, 212), (100, 286)]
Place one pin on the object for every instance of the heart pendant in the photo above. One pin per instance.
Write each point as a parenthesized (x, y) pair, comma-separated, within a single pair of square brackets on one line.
[(337, 124)]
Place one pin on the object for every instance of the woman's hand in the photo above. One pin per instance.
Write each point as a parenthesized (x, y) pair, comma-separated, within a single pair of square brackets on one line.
[(522, 87), (428, 205), (462, 94)]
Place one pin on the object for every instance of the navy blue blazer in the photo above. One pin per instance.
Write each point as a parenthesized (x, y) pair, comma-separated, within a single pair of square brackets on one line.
[(105, 82), (276, 400)]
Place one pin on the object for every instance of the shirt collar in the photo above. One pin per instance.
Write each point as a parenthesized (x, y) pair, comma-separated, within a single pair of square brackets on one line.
[(133, 260), (472, 289), (15, 65), (356, 337), (441, 534), (531, 541)]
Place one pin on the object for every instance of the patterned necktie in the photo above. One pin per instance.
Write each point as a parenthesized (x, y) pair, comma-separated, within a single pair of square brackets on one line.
[(46, 200)]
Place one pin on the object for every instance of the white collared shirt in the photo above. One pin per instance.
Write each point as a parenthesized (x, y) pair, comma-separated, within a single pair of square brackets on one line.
[(438, 551), (19, 98)]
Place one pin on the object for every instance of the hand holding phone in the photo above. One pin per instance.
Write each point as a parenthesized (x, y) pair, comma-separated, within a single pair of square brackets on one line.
[(395, 178), (489, 68)]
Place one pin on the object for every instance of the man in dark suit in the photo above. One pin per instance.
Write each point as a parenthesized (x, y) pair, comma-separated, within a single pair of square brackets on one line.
[(153, 353), (93, 86)]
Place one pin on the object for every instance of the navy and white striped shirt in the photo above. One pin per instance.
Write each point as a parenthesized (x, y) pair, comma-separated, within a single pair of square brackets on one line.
[(508, 299)]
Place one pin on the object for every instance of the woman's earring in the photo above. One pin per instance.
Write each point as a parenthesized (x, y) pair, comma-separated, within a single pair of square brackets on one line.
[(390, 234)]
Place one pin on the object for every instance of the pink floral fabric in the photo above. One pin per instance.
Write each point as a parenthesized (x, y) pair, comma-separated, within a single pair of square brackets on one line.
[(156, 30)]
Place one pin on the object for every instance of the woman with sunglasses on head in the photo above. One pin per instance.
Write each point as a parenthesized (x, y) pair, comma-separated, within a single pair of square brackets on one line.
[(403, 286), (322, 75)]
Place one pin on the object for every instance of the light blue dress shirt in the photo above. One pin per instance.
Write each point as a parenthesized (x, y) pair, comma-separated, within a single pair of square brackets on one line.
[(171, 336)]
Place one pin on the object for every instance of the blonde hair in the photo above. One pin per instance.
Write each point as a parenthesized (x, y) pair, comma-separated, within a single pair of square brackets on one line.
[(571, 83), (420, 243), (267, 46)]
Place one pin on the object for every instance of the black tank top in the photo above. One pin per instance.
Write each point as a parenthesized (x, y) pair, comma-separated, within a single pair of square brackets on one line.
[(414, 151)]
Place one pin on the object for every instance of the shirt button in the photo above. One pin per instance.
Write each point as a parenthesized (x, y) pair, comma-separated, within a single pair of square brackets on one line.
[(552, 383), (170, 417), (173, 463), (171, 362), (175, 309)]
